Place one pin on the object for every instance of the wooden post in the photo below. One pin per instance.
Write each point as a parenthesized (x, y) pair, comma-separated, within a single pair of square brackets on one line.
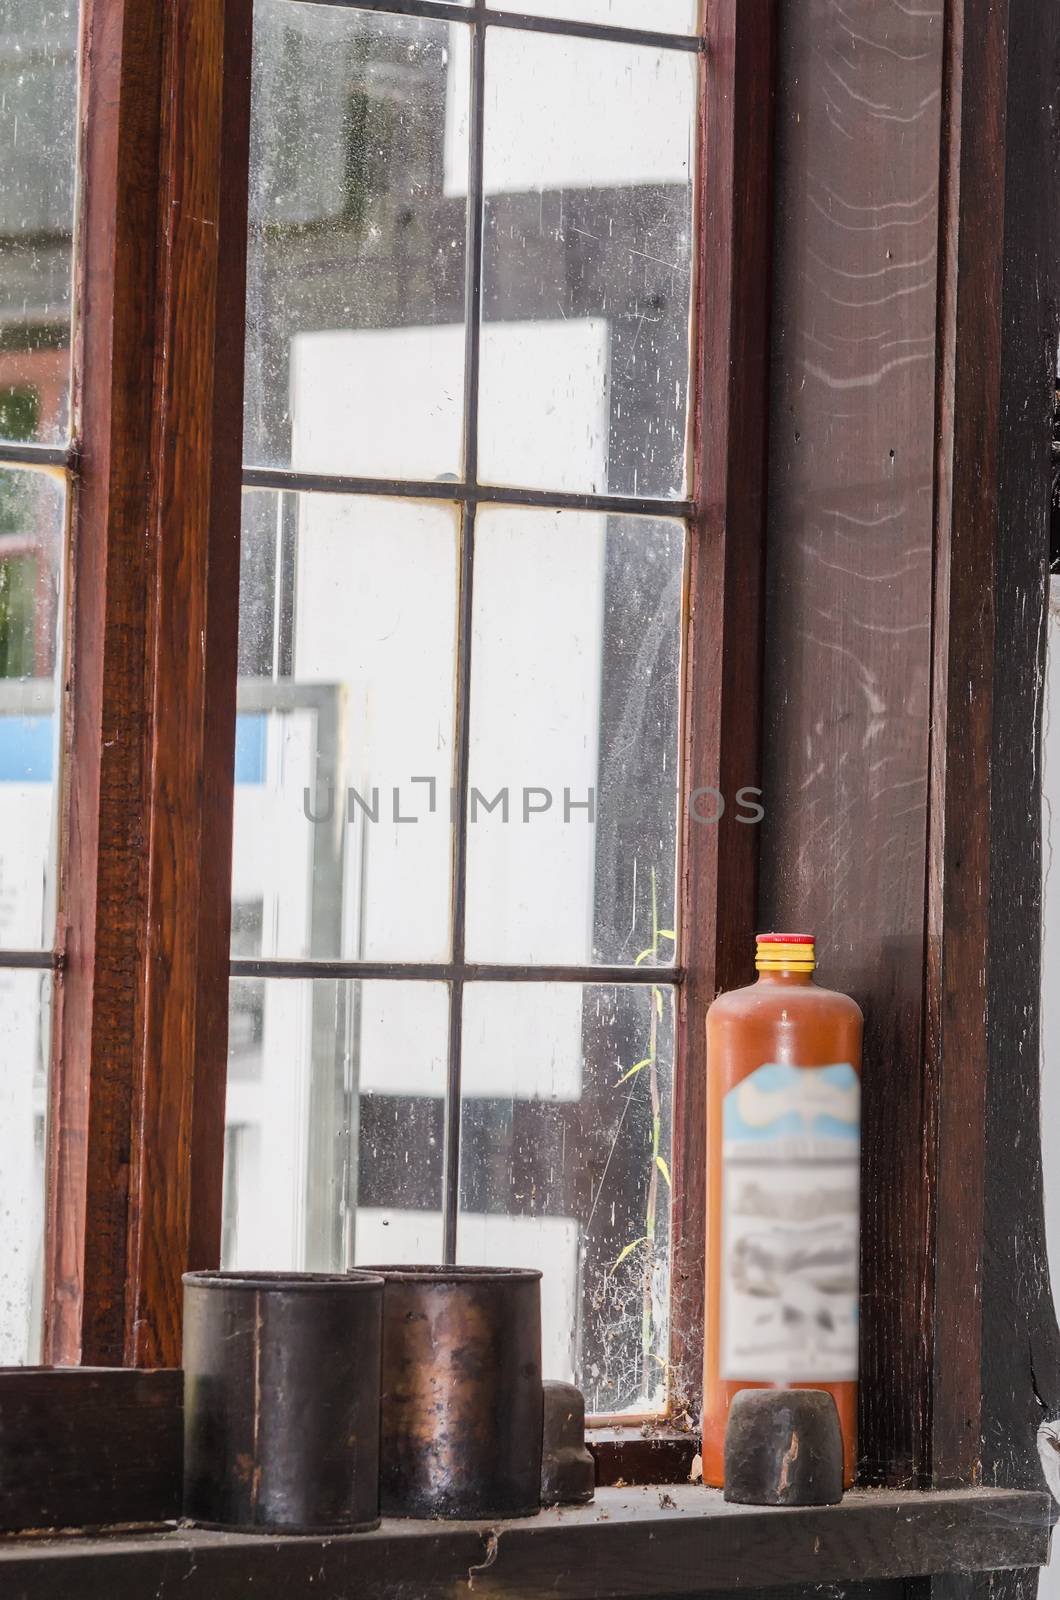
[(725, 601), (138, 1079)]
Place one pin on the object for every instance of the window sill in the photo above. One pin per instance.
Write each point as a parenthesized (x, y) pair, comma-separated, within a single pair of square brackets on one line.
[(629, 1542), (652, 1453)]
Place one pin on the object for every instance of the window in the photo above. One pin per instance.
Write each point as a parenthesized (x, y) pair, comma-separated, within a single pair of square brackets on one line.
[(433, 906), (439, 252), (461, 621), (38, 94)]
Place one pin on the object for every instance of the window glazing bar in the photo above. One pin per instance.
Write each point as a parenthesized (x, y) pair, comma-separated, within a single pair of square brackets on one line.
[(463, 493), (17, 454), (35, 960), (447, 971), (445, 10), (472, 316)]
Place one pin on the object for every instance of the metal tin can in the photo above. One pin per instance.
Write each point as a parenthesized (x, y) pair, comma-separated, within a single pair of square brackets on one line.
[(462, 1392), (281, 1400)]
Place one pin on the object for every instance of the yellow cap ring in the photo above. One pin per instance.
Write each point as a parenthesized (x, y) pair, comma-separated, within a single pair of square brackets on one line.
[(775, 955)]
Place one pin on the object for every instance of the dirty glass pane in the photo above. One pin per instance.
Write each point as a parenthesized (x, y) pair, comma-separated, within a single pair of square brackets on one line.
[(587, 276), (355, 298), (660, 16), (38, 126), (334, 1122), (572, 817), (32, 524), (345, 732), (25, 1039), (565, 1165)]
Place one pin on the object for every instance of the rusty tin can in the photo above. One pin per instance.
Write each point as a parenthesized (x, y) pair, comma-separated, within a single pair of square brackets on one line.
[(462, 1392), (281, 1400)]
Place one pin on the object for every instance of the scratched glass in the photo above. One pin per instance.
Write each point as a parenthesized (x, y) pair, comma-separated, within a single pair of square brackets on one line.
[(38, 134), (344, 740), (658, 16), (589, 151), (355, 277), (572, 816), (334, 1122), (32, 531), (25, 1039), (566, 1166)]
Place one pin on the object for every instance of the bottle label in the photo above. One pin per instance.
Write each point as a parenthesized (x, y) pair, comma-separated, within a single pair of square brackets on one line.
[(789, 1267)]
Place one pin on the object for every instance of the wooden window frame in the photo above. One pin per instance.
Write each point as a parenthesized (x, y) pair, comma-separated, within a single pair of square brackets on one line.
[(138, 1111), (137, 1096), (143, 933)]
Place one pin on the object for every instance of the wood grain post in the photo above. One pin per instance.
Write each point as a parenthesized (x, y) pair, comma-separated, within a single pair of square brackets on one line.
[(138, 1080), (971, 252), (989, 1321)]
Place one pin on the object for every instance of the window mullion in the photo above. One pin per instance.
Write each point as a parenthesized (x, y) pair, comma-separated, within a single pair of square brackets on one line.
[(465, 604)]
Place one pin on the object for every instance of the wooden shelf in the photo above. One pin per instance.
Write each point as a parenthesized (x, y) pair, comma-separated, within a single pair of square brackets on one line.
[(640, 1541)]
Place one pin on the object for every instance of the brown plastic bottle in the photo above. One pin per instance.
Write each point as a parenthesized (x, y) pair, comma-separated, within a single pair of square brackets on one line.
[(783, 1147)]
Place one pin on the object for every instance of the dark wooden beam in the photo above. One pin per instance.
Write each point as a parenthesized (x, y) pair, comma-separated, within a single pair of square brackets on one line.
[(89, 1448), (1020, 1341), (630, 1542), (967, 499), (989, 1329), (724, 641), (856, 644), (906, 610)]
